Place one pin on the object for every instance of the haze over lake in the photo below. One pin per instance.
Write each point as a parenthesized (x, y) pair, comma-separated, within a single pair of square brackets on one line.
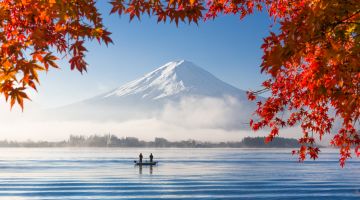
[(109, 173)]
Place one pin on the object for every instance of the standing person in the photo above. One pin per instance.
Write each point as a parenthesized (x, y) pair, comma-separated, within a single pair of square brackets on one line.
[(140, 158), (151, 158)]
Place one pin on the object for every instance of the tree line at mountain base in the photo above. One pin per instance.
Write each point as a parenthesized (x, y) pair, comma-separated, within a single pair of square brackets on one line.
[(114, 141)]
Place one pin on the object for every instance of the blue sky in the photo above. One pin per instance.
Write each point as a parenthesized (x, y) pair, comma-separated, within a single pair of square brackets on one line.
[(227, 47)]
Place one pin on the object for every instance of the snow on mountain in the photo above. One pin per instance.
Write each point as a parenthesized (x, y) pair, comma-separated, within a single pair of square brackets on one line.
[(175, 79), (173, 91)]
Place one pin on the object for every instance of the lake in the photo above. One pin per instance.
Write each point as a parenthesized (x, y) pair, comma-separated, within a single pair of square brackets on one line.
[(109, 173)]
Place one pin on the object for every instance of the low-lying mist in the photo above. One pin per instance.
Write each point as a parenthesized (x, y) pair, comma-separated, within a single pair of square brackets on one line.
[(199, 118)]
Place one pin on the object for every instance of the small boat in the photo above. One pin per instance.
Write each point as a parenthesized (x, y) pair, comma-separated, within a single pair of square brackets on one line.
[(144, 163)]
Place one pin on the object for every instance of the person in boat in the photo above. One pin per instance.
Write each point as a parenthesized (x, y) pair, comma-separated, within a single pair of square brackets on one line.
[(151, 157), (140, 158)]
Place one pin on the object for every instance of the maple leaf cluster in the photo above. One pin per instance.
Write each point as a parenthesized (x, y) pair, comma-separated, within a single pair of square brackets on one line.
[(314, 68), (172, 10), (33, 32)]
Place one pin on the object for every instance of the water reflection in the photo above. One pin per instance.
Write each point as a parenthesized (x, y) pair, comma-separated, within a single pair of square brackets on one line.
[(141, 169)]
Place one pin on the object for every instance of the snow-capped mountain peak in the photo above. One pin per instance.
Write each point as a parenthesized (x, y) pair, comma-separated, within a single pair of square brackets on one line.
[(178, 88), (174, 79)]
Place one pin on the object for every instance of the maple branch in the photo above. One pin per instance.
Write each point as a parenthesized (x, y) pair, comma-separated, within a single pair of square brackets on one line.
[(261, 91)]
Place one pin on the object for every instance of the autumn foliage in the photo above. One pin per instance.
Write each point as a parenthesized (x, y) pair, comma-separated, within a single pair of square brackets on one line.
[(32, 30), (313, 60)]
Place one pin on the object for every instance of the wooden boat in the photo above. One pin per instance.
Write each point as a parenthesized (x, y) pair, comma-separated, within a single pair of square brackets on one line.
[(146, 163)]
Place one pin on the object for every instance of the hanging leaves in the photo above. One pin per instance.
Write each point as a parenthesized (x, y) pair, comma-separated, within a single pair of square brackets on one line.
[(37, 28), (314, 65)]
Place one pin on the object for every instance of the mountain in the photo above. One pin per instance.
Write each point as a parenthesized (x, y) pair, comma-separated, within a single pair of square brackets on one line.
[(147, 96), (174, 80)]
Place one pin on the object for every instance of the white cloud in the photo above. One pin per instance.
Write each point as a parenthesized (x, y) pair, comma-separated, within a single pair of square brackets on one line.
[(215, 113), (146, 129), (207, 119)]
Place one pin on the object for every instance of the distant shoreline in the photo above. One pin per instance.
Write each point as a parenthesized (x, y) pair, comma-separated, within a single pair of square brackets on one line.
[(112, 141)]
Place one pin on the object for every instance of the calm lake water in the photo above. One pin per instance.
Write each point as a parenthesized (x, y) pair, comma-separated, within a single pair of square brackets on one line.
[(97, 173)]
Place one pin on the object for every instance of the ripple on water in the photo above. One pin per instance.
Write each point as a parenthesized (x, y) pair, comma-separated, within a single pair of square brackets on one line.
[(181, 174)]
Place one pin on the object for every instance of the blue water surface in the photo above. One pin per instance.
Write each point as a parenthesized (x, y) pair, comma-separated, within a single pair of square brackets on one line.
[(109, 173)]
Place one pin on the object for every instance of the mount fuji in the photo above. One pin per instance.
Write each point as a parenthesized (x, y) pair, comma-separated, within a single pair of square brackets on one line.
[(174, 80), (175, 86)]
